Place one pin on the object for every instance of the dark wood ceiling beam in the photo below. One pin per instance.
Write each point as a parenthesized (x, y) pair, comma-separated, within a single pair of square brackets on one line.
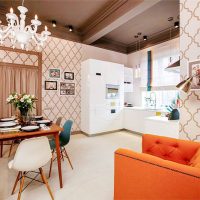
[(115, 16), (111, 45)]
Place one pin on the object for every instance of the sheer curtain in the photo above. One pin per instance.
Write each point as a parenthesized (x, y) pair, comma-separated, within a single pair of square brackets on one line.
[(16, 78)]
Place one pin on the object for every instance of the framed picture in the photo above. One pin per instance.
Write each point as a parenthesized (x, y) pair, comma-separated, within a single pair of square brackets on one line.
[(67, 88), (54, 73), (50, 85), (194, 70), (69, 75)]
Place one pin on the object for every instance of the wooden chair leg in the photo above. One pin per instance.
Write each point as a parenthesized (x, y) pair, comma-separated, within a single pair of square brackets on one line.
[(16, 181), (1, 144), (52, 158), (46, 183), (21, 186), (11, 146), (68, 158)]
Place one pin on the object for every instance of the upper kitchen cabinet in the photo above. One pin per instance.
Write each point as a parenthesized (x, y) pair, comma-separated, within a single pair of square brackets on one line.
[(128, 79)]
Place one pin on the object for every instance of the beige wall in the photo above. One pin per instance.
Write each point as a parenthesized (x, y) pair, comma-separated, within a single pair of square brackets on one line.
[(190, 50), (67, 56), (103, 54)]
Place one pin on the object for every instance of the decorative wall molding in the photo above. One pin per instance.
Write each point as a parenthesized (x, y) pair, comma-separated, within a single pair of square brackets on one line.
[(18, 58), (189, 50)]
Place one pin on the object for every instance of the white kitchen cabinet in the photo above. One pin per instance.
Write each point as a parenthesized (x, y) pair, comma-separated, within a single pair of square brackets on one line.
[(145, 121), (161, 126), (128, 79), (100, 112), (134, 118)]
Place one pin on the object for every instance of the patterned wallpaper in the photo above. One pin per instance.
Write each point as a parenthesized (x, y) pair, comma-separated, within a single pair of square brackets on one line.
[(66, 56), (189, 51)]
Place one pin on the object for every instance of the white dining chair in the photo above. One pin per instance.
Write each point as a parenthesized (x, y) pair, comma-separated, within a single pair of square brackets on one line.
[(32, 154)]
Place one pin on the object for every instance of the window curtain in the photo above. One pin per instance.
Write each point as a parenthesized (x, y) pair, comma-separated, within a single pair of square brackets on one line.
[(20, 79)]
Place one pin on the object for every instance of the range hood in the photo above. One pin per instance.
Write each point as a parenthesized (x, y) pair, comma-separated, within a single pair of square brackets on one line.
[(174, 67)]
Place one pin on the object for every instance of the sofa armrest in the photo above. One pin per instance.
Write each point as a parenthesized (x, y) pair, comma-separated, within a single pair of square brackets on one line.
[(142, 176)]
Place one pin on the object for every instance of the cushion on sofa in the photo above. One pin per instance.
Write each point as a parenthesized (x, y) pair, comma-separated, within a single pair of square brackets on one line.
[(172, 149)]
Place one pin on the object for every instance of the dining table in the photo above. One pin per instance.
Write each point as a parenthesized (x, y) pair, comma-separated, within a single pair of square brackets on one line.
[(53, 130)]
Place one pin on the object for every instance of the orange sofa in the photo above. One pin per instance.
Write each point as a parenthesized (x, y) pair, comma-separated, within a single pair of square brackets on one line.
[(167, 169)]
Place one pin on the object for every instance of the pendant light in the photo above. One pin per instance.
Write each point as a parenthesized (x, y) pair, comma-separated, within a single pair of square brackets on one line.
[(136, 67), (139, 67)]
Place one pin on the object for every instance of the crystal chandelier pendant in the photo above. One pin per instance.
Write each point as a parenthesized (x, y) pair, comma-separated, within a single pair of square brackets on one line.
[(21, 34)]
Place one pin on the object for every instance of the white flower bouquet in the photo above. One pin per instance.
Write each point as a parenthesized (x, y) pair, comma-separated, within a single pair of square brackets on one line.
[(24, 102)]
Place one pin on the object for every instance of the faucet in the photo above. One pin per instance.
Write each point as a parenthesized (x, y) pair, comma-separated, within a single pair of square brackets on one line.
[(153, 99)]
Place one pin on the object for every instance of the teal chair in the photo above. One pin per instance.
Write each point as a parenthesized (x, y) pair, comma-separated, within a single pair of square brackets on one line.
[(64, 140)]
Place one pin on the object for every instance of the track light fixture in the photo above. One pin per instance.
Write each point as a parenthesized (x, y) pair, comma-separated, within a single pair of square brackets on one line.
[(53, 23), (70, 28), (144, 37), (176, 24)]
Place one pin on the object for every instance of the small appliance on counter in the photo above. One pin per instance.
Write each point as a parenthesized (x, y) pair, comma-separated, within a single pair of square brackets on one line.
[(128, 104)]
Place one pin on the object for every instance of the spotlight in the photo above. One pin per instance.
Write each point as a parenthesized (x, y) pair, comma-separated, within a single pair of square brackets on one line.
[(176, 24), (70, 28), (53, 23), (144, 37), (136, 36)]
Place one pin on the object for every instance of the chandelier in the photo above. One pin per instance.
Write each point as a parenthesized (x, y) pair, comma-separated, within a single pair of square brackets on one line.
[(21, 34)]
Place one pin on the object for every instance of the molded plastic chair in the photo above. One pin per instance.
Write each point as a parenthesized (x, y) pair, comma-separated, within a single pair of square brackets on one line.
[(64, 140), (31, 154), (58, 121)]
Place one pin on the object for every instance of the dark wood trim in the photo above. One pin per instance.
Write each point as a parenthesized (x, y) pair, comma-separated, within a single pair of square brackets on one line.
[(40, 83), (112, 45), (157, 38), (19, 51), (38, 68), (18, 65)]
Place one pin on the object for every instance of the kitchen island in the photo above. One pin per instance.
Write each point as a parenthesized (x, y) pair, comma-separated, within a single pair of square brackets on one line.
[(158, 125), (144, 120)]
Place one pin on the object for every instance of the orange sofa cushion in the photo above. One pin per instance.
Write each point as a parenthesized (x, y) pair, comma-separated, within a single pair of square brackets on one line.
[(176, 150)]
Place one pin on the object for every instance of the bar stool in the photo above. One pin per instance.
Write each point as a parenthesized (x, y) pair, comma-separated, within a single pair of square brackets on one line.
[(31, 154)]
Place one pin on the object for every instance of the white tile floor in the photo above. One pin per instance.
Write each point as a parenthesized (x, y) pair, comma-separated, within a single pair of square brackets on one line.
[(92, 177)]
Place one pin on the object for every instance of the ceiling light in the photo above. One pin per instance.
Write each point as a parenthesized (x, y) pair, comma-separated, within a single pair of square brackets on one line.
[(70, 28), (139, 33), (144, 37), (176, 24), (136, 36), (53, 23), (17, 32)]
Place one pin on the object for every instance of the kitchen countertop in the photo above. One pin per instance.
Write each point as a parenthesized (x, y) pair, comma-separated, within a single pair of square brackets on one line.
[(143, 108), (162, 119)]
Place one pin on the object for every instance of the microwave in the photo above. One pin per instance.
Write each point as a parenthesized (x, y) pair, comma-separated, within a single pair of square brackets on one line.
[(112, 91)]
